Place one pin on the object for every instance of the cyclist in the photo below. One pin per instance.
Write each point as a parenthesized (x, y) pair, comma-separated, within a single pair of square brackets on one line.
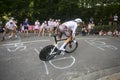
[(69, 28), (11, 28)]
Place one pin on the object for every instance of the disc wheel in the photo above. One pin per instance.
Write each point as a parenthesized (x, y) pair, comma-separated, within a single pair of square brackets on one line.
[(48, 53)]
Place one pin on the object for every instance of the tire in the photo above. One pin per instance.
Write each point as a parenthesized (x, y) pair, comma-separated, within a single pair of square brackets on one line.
[(45, 53), (71, 46)]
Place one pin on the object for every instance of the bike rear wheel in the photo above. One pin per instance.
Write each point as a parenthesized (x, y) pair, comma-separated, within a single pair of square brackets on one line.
[(71, 46), (48, 53)]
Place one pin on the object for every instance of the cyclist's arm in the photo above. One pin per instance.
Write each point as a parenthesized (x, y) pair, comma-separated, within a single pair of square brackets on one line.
[(74, 31), (73, 35)]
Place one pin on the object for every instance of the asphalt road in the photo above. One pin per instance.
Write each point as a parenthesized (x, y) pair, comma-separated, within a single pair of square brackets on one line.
[(95, 57)]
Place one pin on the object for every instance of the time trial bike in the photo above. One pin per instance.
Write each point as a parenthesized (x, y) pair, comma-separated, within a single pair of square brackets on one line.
[(49, 52)]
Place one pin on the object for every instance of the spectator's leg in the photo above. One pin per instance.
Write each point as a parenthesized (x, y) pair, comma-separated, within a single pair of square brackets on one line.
[(27, 33), (3, 35)]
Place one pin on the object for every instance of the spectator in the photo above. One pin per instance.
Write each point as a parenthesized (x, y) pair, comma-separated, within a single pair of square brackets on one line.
[(43, 28), (50, 26), (11, 28), (84, 31), (116, 33), (109, 33), (58, 23), (91, 20), (21, 27), (25, 24), (101, 33), (100, 22), (36, 27), (1, 28), (110, 20), (54, 26), (115, 20), (90, 28)]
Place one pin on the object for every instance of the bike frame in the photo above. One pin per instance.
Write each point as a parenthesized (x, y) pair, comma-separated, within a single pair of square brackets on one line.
[(63, 45)]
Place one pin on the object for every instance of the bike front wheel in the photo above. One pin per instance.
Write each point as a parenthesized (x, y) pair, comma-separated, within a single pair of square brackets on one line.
[(71, 46), (48, 53)]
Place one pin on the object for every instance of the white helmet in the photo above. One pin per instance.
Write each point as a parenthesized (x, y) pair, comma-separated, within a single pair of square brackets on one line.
[(78, 20), (10, 20)]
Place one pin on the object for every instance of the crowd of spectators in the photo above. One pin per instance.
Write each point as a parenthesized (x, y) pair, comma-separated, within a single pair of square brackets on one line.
[(40, 29), (46, 28), (114, 27)]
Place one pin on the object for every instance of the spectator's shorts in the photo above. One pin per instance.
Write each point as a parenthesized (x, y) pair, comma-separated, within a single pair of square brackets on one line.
[(9, 30), (25, 27)]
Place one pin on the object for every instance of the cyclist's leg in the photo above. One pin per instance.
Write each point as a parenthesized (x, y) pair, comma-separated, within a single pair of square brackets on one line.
[(3, 36), (68, 33)]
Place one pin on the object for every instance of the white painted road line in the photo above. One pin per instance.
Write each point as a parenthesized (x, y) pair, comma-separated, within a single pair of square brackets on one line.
[(94, 45), (47, 72), (71, 57), (100, 45), (36, 51)]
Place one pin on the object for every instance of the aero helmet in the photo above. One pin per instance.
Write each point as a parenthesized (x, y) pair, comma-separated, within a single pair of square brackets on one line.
[(78, 20)]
